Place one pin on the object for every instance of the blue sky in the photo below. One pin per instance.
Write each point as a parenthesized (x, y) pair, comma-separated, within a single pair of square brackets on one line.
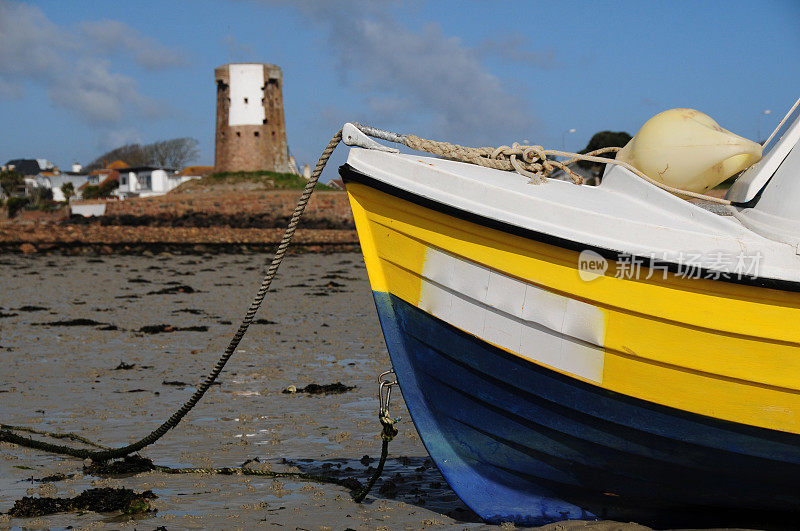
[(79, 78)]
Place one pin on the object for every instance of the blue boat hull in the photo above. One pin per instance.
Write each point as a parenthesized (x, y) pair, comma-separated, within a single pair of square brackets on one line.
[(522, 443)]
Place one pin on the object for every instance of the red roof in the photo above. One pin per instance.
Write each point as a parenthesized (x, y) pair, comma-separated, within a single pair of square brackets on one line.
[(196, 170), (109, 175), (117, 165)]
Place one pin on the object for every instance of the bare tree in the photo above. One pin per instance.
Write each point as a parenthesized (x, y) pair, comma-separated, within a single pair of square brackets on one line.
[(131, 154), (173, 153)]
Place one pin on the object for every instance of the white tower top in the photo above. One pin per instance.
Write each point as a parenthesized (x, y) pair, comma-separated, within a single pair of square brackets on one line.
[(247, 94)]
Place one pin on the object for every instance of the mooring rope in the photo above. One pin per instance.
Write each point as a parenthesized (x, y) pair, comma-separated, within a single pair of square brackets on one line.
[(387, 434), (532, 161), (174, 420), (54, 435)]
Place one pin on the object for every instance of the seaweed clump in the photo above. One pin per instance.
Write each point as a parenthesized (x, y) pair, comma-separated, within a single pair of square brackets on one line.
[(130, 466), (164, 328), (317, 389), (102, 500)]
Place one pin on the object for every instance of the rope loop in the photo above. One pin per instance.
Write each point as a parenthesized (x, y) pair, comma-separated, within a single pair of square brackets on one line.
[(537, 163), (531, 161)]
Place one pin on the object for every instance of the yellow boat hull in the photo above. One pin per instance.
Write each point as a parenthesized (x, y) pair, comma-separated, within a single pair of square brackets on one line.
[(705, 354)]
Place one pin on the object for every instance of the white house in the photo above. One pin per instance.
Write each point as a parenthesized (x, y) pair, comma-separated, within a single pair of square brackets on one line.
[(149, 181), (55, 182)]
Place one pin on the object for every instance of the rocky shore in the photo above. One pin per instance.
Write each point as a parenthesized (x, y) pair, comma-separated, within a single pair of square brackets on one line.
[(99, 239), (251, 221)]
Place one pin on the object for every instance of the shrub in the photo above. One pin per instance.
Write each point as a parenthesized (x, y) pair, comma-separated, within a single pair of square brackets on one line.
[(102, 190), (68, 189), (15, 204), (601, 140), (91, 192), (40, 195), (10, 180)]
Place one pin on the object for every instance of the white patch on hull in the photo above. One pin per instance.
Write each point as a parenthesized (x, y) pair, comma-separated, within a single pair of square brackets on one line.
[(542, 326)]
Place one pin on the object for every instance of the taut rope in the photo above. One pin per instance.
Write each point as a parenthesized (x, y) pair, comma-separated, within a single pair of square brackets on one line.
[(530, 161), (7, 435)]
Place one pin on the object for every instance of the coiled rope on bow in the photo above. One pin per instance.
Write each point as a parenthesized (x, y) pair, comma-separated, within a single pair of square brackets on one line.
[(531, 161), (535, 162)]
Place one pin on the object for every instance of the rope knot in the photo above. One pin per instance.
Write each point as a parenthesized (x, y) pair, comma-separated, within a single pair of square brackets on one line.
[(531, 154), (389, 431), (530, 161)]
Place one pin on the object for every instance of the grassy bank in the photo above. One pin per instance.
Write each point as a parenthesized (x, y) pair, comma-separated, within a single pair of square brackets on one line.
[(261, 179)]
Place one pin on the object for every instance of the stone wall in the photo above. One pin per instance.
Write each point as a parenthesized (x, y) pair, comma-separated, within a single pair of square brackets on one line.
[(252, 147), (330, 208)]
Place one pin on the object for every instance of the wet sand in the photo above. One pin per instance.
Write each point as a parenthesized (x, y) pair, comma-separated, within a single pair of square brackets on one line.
[(319, 327), (63, 378)]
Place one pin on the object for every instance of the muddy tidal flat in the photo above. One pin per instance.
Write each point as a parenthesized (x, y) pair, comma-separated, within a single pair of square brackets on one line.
[(108, 347)]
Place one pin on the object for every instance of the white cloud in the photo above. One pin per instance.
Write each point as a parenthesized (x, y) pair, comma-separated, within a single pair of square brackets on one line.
[(74, 65), (117, 137), (238, 51), (390, 108), (422, 71), (113, 35), (30, 45), (516, 48), (11, 91), (99, 95)]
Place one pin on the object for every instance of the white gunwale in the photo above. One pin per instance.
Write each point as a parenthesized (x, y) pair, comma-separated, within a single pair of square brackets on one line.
[(624, 214)]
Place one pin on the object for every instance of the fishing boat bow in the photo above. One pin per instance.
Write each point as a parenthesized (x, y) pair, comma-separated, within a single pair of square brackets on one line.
[(584, 352)]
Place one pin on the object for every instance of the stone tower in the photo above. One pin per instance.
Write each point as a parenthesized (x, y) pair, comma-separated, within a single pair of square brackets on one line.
[(251, 132)]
